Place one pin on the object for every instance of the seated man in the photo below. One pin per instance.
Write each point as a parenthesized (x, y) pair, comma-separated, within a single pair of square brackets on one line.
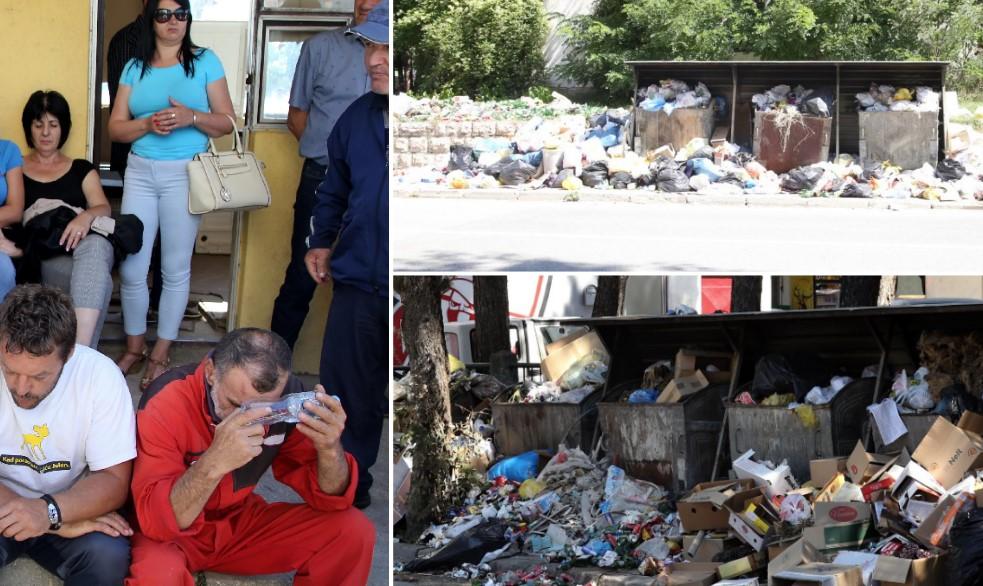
[(67, 442), (200, 456)]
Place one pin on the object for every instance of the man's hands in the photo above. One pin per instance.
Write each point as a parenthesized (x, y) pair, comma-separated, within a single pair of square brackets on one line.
[(23, 518), (325, 433), (316, 261), (237, 441), (112, 524)]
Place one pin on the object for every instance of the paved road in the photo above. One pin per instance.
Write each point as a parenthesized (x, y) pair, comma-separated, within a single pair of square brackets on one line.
[(475, 235)]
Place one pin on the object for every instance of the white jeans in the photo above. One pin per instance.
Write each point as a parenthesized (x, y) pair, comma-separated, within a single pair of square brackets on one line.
[(157, 193)]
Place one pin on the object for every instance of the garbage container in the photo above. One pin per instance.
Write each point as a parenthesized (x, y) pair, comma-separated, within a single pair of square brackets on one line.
[(673, 444), (802, 143), (521, 427), (777, 433), (918, 426), (907, 139), (655, 129)]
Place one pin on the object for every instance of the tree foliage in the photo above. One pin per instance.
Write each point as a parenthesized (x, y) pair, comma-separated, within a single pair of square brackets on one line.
[(945, 30), (480, 48)]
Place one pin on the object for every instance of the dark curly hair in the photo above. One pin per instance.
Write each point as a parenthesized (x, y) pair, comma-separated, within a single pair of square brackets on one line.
[(263, 354), (38, 320)]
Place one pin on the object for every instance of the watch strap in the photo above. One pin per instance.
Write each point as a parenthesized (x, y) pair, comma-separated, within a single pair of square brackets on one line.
[(50, 500)]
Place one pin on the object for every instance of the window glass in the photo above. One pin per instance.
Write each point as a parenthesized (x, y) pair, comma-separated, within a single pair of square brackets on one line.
[(220, 10), (332, 5)]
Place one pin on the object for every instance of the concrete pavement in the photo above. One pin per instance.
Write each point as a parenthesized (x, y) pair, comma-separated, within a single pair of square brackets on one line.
[(789, 235)]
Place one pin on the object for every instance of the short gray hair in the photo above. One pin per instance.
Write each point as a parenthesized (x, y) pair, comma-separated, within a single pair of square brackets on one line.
[(263, 354)]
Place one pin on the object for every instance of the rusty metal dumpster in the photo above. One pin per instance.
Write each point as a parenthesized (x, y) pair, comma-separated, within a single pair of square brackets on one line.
[(672, 445), (777, 433), (520, 427), (918, 426), (907, 139), (655, 129), (805, 142)]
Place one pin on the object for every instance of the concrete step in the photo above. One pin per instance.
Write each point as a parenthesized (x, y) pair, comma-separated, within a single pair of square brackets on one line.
[(25, 572)]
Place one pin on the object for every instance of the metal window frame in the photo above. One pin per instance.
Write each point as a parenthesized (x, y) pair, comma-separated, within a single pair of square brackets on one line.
[(282, 20)]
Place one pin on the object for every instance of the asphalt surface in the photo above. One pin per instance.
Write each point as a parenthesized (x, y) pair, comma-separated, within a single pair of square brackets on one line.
[(772, 236)]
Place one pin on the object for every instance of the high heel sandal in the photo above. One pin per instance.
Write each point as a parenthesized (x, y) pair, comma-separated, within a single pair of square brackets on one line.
[(140, 358), (160, 366)]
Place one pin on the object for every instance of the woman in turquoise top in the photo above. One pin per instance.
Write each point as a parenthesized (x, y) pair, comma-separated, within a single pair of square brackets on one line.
[(11, 209), (171, 99)]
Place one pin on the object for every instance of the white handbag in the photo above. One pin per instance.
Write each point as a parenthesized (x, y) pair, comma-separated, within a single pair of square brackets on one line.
[(226, 181)]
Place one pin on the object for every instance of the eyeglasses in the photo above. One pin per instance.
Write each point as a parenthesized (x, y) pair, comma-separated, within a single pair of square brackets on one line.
[(162, 15)]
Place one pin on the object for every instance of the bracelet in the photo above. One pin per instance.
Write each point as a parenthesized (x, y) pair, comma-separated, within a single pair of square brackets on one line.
[(194, 118)]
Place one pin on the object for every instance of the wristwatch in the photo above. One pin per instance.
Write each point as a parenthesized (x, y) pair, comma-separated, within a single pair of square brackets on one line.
[(54, 513)]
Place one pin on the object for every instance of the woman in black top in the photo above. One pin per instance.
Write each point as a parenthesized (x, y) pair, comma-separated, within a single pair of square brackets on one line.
[(49, 174)]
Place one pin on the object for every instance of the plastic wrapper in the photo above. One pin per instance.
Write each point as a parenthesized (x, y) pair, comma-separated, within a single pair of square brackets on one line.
[(795, 509), (706, 168), (286, 410), (699, 182), (517, 468), (590, 370), (643, 396)]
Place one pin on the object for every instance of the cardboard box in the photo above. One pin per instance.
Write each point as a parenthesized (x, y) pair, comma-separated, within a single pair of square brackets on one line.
[(818, 573), (776, 480), (744, 527), (891, 571), (836, 536), (683, 386), (689, 361), (709, 546), (862, 464), (692, 574), (554, 346), (949, 452), (555, 365), (834, 513), (740, 566), (822, 471), (703, 509), (971, 422), (915, 482), (799, 552)]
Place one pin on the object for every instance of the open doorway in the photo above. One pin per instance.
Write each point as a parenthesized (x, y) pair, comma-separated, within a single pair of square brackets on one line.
[(224, 27)]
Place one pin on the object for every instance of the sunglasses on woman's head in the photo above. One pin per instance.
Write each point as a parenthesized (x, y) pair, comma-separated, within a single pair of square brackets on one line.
[(162, 15)]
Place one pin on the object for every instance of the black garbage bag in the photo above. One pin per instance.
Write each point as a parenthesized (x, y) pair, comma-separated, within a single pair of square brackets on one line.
[(950, 170), (556, 180), (857, 190), (966, 552), (495, 169), (672, 179), (703, 153), (645, 179), (873, 171), (467, 548), (801, 179), (775, 373), (516, 173), (462, 158), (732, 179), (595, 174), (621, 179)]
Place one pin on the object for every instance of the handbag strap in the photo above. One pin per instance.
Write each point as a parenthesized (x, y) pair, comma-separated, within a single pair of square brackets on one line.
[(237, 140)]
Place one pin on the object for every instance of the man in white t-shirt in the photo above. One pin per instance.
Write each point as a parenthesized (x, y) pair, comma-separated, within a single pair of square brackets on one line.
[(67, 444)]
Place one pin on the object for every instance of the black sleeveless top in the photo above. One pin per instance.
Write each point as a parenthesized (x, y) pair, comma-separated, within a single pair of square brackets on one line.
[(67, 188)]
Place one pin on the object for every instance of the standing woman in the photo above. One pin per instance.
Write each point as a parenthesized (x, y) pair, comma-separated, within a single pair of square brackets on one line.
[(172, 97), (11, 209)]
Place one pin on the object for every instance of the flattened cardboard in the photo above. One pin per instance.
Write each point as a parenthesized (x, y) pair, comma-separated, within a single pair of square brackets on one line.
[(740, 566), (689, 361), (949, 452), (830, 488), (681, 387), (891, 571), (971, 422), (834, 513), (703, 509), (692, 574), (554, 346), (819, 573), (862, 464), (800, 552), (822, 471), (709, 547), (555, 365)]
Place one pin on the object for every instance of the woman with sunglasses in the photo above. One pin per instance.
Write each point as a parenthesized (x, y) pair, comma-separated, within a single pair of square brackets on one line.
[(172, 97)]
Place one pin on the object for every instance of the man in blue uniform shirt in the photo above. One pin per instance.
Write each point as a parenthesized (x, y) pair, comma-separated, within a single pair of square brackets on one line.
[(349, 245)]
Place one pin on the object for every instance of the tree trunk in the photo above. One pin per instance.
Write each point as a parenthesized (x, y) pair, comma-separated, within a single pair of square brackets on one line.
[(889, 290), (430, 425), (859, 291), (610, 299), (491, 317), (745, 294)]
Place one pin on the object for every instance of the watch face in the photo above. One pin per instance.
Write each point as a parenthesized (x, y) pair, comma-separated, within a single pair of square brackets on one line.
[(52, 514)]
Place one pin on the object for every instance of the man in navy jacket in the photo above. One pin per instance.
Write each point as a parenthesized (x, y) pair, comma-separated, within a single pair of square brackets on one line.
[(349, 245)]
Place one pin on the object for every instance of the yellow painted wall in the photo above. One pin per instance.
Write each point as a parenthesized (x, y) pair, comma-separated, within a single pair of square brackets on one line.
[(265, 249), (45, 45)]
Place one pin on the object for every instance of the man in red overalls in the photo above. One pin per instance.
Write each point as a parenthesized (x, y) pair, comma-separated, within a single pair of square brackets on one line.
[(199, 457)]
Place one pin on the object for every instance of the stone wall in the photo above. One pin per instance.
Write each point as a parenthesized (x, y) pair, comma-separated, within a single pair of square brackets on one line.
[(427, 143)]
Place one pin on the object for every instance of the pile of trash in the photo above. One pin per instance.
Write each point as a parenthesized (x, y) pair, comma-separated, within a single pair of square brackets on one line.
[(463, 108), (783, 98), (670, 94), (885, 98)]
